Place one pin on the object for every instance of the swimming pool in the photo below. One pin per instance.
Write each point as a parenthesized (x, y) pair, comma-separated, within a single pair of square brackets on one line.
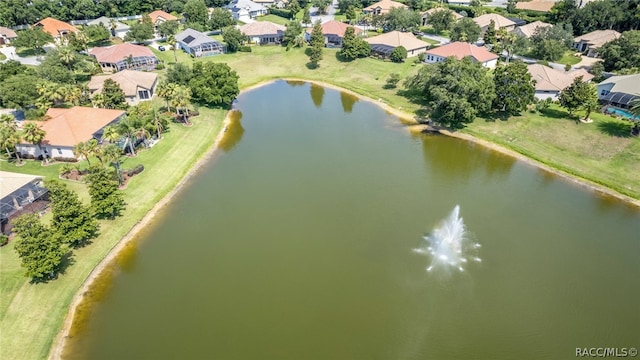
[(623, 113)]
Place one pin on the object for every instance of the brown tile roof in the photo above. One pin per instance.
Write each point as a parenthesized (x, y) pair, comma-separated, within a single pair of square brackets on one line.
[(159, 14), (549, 79), (55, 26), (337, 28), (397, 38), (597, 38), (385, 6), (128, 80), (460, 50), (529, 29), (499, 20), (535, 5), (68, 127), (115, 53), (8, 33), (262, 28)]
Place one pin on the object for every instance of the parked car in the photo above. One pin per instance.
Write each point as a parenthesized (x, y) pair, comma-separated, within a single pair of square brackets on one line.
[(161, 48)]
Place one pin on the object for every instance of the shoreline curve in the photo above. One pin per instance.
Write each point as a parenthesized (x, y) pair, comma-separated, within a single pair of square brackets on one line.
[(60, 339)]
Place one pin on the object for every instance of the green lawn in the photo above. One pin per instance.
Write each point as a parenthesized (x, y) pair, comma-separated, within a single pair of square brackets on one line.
[(274, 19), (569, 59), (2, 56), (166, 163), (32, 314)]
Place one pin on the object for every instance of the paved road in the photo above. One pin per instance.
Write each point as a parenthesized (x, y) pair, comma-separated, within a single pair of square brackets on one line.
[(330, 15), (442, 40), (10, 53)]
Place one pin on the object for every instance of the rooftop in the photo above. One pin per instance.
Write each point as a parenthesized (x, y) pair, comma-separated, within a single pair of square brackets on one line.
[(385, 6), (161, 15), (128, 80), (549, 79), (628, 84), (397, 38), (499, 20), (597, 38), (460, 50), (8, 33), (106, 22), (194, 38), (530, 29), (536, 5), (10, 182), (456, 16), (55, 27), (115, 53), (68, 127), (338, 28), (262, 28)]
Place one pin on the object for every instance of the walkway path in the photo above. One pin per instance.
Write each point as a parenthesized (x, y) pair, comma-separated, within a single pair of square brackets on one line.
[(10, 53)]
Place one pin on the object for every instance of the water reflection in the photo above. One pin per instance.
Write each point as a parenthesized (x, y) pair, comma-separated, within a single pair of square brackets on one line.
[(296, 82), (233, 132), (459, 159), (317, 95), (347, 101)]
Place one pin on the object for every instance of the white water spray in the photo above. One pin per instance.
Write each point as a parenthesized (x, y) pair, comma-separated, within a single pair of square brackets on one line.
[(449, 244)]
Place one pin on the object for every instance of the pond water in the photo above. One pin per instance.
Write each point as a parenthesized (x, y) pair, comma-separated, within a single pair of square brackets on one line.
[(296, 241)]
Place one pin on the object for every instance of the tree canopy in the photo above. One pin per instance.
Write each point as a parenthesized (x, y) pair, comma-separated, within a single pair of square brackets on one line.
[(106, 200), (579, 95), (514, 88), (550, 42), (32, 38), (214, 84), (465, 30), (196, 12), (220, 18), (353, 47), (71, 218), (441, 20), (622, 53), (317, 44), (233, 38), (401, 19), (456, 91), (39, 248)]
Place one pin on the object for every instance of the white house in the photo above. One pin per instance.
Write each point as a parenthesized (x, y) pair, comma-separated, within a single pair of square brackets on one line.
[(198, 44), (246, 10), (65, 128), (384, 44), (263, 32), (116, 28), (460, 50), (619, 91)]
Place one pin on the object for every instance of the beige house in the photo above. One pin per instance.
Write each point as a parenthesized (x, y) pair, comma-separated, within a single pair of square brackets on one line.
[(383, 7), (6, 35), (137, 85), (384, 44), (425, 15), (536, 5), (592, 41), (460, 50), (530, 29), (333, 32), (263, 32), (550, 82), (500, 22)]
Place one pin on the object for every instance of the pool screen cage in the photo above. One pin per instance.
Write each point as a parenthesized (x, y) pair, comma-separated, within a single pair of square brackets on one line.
[(618, 99), (138, 63), (20, 198), (382, 50)]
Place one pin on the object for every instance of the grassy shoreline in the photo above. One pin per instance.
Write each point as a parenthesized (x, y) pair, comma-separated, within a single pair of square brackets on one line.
[(33, 315)]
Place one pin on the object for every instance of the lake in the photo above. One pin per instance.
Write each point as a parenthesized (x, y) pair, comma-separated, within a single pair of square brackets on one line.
[(296, 241)]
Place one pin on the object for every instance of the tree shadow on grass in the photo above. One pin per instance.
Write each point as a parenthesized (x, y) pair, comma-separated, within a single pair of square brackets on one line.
[(615, 128), (557, 114), (67, 261)]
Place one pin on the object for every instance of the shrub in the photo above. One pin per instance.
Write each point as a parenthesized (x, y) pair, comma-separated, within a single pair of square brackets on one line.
[(135, 170), (392, 81), (398, 54), (4, 239), (244, 49)]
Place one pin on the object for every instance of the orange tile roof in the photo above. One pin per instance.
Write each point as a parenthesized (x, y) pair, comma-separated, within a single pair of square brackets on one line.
[(115, 53), (55, 27), (460, 50), (154, 15), (338, 28), (68, 127)]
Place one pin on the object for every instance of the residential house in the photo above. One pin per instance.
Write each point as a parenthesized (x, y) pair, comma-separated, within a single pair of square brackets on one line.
[(460, 50), (115, 58), (159, 16), (116, 28), (65, 128), (530, 29), (425, 15), (246, 10), (500, 22), (137, 85), (6, 35), (592, 41), (383, 7), (536, 5), (265, 3), (550, 82), (198, 44), (263, 32), (56, 28), (19, 194), (619, 91), (384, 44), (333, 32)]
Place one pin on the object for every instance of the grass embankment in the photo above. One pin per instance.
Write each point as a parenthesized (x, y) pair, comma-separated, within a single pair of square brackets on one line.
[(31, 315)]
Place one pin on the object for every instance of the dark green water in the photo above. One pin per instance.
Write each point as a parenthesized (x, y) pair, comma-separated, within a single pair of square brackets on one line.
[(295, 242)]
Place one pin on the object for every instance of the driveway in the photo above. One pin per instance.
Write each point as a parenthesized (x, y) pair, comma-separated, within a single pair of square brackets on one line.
[(330, 15), (10, 53)]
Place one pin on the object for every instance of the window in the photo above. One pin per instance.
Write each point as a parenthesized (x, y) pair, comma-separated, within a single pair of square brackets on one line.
[(604, 92), (143, 94), (59, 151)]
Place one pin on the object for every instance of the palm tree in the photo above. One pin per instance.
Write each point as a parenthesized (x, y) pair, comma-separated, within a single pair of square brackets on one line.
[(81, 149), (9, 138), (165, 90), (635, 106), (113, 25), (110, 134), (94, 149), (158, 122), (181, 100), (33, 134), (98, 101), (83, 39), (111, 154), (141, 130), (67, 56), (172, 42), (127, 128)]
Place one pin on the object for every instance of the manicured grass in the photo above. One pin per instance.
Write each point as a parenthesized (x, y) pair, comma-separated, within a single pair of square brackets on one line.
[(32, 314), (274, 19), (2, 56), (569, 59)]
